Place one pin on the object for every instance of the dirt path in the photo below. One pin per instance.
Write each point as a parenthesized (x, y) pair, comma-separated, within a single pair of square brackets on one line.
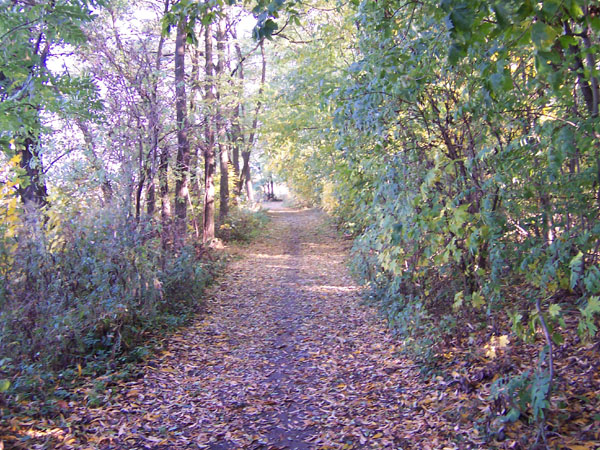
[(285, 358)]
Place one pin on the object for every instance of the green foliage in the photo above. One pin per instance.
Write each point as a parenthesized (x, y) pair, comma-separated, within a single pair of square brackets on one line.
[(465, 162), (242, 225), (28, 32), (300, 144), (587, 327), (525, 394), (458, 173), (4, 385)]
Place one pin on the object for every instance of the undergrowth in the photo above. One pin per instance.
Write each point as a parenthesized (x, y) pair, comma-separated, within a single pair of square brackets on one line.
[(242, 225), (86, 293)]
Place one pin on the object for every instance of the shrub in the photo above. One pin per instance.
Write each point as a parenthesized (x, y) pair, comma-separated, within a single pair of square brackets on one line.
[(85, 286), (242, 225)]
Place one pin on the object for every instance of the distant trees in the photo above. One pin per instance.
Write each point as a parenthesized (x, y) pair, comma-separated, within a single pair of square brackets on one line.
[(224, 128)]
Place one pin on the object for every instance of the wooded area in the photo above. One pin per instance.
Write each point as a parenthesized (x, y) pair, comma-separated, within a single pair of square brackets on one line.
[(456, 142)]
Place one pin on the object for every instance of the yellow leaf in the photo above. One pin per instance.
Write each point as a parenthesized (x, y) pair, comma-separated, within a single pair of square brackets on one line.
[(477, 300), (503, 341)]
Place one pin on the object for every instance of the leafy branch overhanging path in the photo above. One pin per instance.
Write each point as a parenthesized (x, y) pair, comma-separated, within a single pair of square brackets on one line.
[(286, 357)]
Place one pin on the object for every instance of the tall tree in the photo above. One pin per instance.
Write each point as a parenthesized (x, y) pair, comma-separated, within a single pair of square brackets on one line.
[(197, 160), (245, 181), (236, 128), (154, 122), (208, 225), (183, 147), (135, 117), (220, 125)]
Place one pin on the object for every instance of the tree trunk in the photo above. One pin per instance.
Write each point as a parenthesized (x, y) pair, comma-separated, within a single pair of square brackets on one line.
[(196, 179), (141, 181), (183, 147), (165, 199), (31, 162), (154, 126), (237, 137), (150, 198), (245, 178), (245, 181), (208, 225), (221, 131), (105, 185)]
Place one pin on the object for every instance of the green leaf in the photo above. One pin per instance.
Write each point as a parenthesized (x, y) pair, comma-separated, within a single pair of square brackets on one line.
[(557, 338), (502, 16), (540, 385), (591, 280), (458, 300), (543, 35), (576, 266), (556, 80), (554, 310), (541, 64), (593, 306), (575, 11), (207, 18), (4, 385), (550, 8), (511, 416), (462, 17), (455, 53), (496, 82), (501, 81), (566, 41), (460, 217)]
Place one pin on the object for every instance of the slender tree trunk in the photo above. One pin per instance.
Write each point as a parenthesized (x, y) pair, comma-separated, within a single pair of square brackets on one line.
[(224, 186), (245, 179), (221, 131), (142, 179), (165, 199), (183, 147), (31, 162), (195, 167), (208, 225), (105, 185), (154, 125), (235, 142), (151, 198), (237, 137)]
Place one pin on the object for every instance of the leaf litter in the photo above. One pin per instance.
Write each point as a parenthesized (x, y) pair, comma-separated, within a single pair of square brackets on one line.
[(285, 356)]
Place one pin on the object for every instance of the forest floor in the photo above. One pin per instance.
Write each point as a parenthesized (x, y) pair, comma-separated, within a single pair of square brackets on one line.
[(286, 355)]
